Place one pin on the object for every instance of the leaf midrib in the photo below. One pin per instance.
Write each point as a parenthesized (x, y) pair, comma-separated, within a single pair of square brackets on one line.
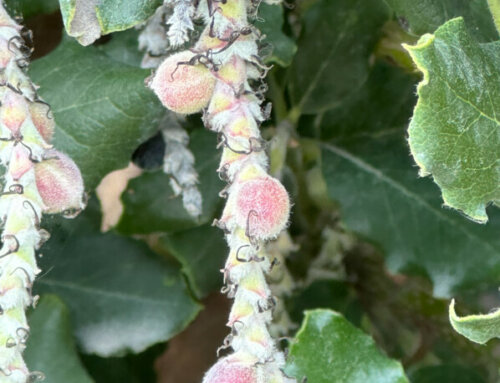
[(105, 293), (368, 168)]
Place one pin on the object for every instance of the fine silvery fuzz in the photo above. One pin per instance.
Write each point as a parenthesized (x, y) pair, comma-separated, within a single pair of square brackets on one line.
[(178, 161), (37, 179), (153, 39), (166, 30), (184, 89), (214, 76), (179, 164), (180, 22)]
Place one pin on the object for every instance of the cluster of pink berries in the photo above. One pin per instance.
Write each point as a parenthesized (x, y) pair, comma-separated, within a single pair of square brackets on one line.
[(215, 77), (37, 180)]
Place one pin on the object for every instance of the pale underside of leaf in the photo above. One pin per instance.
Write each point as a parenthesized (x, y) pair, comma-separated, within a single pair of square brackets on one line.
[(478, 328), (87, 20), (81, 20)]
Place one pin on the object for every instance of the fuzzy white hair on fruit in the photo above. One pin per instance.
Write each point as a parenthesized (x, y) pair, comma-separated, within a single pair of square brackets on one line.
[(12, 297), (255, 340)]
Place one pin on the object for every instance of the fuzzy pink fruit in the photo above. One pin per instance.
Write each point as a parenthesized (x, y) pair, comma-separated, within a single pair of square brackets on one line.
[(231, 370), (14, 111), (183, 88), (59, 183), (43, 120), (262, 206), (20, 162)]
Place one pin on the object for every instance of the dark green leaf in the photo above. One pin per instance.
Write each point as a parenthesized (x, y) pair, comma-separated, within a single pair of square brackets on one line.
[(132, 368), (121, 296), (281, 46), (453, 134), (150, 154), (369, 171), (329, 349), (201, 264), (330, 294), (51, 347), (371, 175), (102, 108), (28, 8), (333, 53), (123, 47), (446, 373), (149, 201), (477, 328), (425, 16), (387, 99), (87, 20)]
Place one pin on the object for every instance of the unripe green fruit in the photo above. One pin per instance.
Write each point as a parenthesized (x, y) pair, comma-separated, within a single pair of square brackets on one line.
[(181, 87)]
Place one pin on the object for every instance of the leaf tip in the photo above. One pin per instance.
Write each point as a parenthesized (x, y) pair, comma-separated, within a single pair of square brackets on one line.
[(422, 43), (478, 328), (476, 214)]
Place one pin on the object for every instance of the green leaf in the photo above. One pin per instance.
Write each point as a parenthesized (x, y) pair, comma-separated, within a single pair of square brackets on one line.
[(453, 134), (28, 8), (446, 373), (367, 169), (132, 368), (123, 47), (324, 293), (477, 328), (150, 205), (87, 20), (102, 109), (425, 16), (379, 113), (494, 7), (282, 47), (333, 53), (51, 347), (201, 264), (373, 179), (329, 349), (121, 296)]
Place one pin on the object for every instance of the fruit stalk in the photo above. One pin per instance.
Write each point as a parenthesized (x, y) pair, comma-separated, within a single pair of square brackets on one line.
[(37, 180), (215, 76)]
